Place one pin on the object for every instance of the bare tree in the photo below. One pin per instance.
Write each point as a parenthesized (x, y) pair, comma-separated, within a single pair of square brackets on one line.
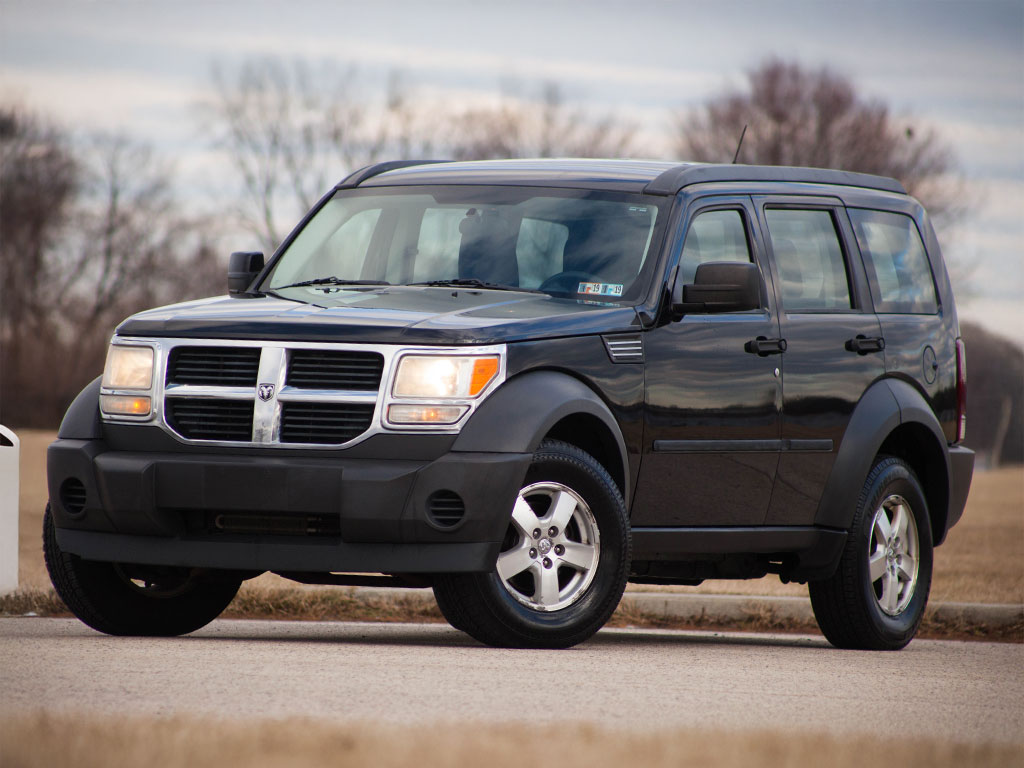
[(289, 131), (995, 396), (546, 126), (815, 117), (39, 179), (129, 248), (89, 233)]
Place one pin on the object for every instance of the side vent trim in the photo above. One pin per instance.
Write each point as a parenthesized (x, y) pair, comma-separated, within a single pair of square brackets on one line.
[(625, 349)]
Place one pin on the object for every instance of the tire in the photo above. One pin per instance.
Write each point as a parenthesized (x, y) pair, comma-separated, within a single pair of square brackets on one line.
[(549, 589), (120, 599), (449, 609), (877, 596)]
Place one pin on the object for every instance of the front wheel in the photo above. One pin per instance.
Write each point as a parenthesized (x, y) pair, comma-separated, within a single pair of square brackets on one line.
[(876, 598), (563, 563), (121, 599)]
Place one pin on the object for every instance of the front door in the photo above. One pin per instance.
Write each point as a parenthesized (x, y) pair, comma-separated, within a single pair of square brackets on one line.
[(712, 402)]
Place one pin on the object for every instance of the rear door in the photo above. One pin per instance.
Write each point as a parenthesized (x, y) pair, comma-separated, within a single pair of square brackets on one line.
[(919, 344), (833, 344)]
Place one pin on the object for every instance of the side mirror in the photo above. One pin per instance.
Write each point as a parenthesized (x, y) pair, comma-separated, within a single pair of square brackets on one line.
[(243, 267), (719, 286)]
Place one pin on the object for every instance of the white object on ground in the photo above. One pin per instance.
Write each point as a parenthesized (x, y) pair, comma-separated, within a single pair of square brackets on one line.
[(9, 456)]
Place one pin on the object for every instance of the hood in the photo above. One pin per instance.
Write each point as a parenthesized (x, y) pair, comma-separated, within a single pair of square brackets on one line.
[(385, 315)]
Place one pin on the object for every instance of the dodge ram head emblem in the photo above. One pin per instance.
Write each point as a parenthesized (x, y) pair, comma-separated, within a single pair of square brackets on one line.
[(265, 391)]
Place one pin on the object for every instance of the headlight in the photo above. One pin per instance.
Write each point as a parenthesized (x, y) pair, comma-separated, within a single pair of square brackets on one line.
[(432, 376), (437, 391), (128, 367)]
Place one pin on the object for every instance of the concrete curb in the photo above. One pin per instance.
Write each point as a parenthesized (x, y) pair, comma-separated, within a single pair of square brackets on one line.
[(725, 608), (730, 608)]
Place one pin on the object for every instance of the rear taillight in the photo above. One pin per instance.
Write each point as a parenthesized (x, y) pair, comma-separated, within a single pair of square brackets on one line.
[(961, 390)]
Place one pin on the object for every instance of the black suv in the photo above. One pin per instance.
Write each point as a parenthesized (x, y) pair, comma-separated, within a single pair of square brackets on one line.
[(525, 383)]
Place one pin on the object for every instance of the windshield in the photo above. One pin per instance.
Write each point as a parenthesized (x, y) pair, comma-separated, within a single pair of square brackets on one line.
[(573, 243)]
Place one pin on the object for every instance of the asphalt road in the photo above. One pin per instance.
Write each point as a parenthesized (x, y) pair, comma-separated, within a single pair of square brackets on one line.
[(406, 673)]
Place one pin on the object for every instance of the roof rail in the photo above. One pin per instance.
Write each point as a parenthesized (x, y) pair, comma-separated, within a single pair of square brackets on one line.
[(356, 178), (675, 179)]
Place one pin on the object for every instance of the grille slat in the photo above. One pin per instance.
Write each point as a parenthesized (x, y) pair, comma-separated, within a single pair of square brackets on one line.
[(213, 366), (334, 369), (446, 508), (73, 495), (324, 423), (197, 419)]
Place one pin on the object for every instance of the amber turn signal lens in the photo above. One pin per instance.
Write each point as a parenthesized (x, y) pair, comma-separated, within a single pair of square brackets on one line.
[(425, 414), (125, 405), (484, 370)]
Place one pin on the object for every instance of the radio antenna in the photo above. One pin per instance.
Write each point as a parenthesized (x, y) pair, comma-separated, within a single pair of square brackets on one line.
[(739, 145)]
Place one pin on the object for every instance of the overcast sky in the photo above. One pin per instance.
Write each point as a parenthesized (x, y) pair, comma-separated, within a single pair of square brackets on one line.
[(139, 67)]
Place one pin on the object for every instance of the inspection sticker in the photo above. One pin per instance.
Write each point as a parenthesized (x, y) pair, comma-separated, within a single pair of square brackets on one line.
[(601, 289)]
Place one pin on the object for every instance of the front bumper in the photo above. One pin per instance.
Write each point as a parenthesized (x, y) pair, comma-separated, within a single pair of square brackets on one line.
[(282, 512)]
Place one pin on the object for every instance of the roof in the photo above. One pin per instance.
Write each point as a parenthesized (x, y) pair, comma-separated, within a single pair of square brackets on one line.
[(649, 176)]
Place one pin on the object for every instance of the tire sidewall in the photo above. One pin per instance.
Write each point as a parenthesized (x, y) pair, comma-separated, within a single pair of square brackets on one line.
[(894, 478), (595, 606)]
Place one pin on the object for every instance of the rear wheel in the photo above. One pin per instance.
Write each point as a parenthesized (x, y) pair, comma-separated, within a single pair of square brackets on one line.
[(876, 598), (121, 599), (563, 563)]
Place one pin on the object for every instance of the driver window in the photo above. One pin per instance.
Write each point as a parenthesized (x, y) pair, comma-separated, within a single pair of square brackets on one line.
[(714, 236)]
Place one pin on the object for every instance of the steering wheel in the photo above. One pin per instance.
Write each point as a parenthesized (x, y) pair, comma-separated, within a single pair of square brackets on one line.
[(567, 282)]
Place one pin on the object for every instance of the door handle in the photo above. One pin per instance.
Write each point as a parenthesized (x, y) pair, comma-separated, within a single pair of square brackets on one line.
[(764, 346), (862, 345)]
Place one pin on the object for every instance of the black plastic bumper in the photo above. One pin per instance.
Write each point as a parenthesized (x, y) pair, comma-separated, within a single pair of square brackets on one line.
[(373, 515), (961, 470)]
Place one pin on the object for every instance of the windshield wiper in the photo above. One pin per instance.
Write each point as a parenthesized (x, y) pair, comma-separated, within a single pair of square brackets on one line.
[(332, 280), (472, 282)]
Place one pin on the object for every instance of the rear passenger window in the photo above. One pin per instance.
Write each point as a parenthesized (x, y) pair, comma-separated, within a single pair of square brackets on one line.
[(714, 236), (897, 265), (809, 259)]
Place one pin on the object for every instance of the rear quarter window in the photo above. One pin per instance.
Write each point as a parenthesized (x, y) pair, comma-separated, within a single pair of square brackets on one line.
[(896, 263)]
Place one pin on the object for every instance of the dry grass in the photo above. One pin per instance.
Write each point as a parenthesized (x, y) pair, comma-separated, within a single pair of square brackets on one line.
[(32, 498), (259, 601), (59, 740), (283, 600), (982, 560)]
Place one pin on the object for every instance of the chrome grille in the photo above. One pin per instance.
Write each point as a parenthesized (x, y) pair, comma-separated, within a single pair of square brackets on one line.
[(214, 366), (323, 423), (334, 369), (210, 419), (267, 393)]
